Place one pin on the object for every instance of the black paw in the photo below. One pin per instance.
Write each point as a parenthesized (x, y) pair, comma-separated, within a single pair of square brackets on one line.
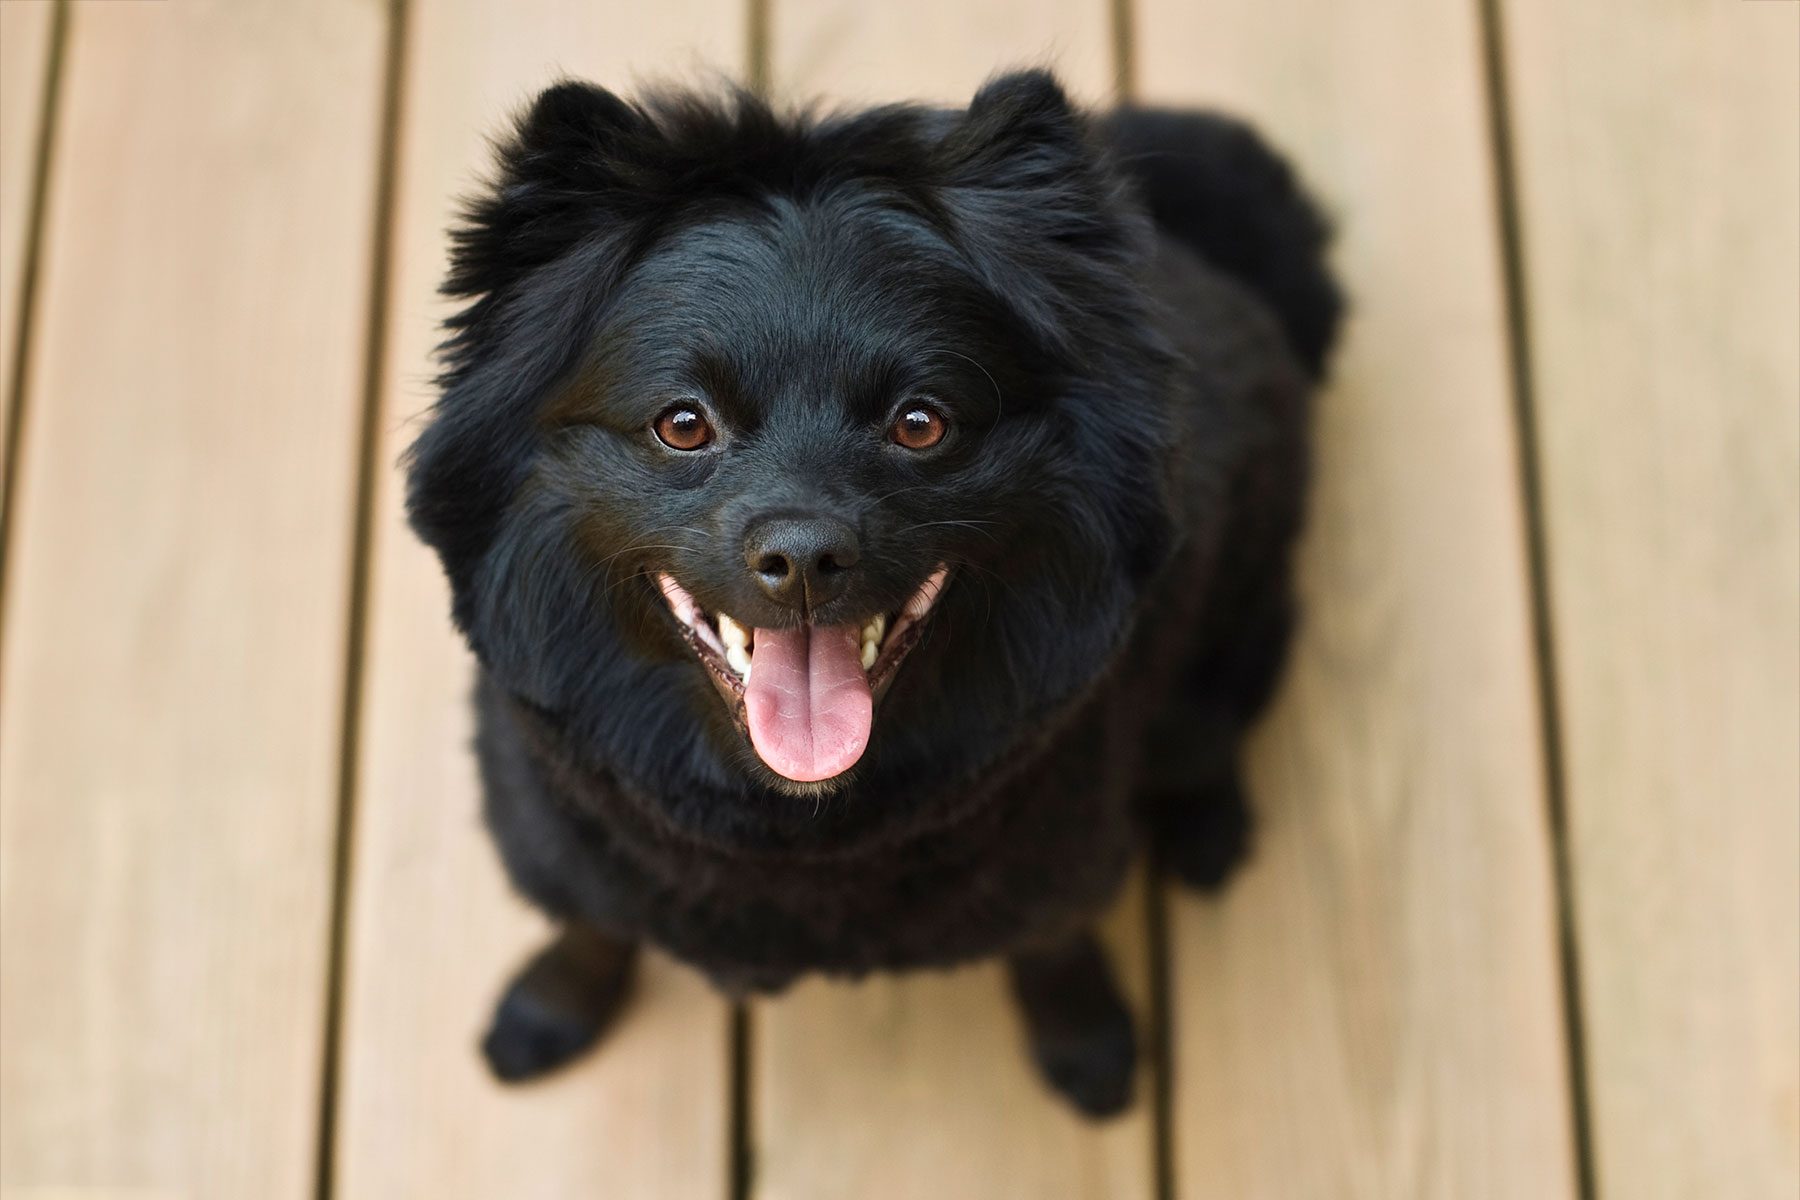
[(1093, 1067), (558, 1005), (528, 1039), (1077, 1023), (1205, 837)]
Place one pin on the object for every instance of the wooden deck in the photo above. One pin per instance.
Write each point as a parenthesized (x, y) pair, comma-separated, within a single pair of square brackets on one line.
[(1524, 917)]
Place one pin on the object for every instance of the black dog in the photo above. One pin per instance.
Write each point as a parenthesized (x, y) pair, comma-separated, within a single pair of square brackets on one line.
[(868, 528)]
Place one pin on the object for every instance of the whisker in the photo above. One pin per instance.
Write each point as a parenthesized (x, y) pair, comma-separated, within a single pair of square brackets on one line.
[(975, 526), (647, 546), (999, 399), (912, 487)]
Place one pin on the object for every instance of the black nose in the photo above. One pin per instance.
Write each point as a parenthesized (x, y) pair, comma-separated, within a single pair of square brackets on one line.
[(802, 562)]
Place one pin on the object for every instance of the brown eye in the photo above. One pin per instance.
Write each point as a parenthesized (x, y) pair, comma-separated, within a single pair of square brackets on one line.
[(683, 428), (919, 428)]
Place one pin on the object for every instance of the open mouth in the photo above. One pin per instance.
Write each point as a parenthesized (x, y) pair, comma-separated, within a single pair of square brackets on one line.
[(806, 695)]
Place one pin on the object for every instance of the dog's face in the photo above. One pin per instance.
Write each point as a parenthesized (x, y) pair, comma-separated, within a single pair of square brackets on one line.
[(784, 457), (786, 427)]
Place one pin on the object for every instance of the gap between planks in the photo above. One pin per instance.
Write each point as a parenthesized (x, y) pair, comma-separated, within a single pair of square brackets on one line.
[(362, 516), (1516, 299), (42, 163)]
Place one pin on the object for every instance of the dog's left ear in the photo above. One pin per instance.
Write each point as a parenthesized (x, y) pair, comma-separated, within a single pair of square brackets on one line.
[(1017, 126), (1053, 231), (1037, 210)]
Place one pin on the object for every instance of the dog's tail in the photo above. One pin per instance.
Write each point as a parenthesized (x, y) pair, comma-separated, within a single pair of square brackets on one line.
[(1213, 183)]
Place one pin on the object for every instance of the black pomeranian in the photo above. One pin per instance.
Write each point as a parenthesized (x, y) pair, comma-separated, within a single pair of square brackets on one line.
[(872, 529)]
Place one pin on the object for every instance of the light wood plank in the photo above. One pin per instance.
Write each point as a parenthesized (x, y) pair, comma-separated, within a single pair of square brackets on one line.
[(434, 930), (848, 51), (24, 61), (920, 1086), (169, 746), (1372, 1011), (1659, 168)]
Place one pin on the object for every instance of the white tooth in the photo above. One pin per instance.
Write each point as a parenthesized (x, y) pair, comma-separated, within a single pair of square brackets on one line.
[(733, 633), (869, 652), (874, 629), (738, 659)]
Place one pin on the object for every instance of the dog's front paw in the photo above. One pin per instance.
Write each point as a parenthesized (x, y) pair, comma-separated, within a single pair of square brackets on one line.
[(1205, 837), (1092, 1066), (1077, 1024), (528, 1039), (558, 1005)]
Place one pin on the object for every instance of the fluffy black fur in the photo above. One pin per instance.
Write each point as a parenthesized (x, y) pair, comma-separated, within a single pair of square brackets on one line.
[(1122, 317)]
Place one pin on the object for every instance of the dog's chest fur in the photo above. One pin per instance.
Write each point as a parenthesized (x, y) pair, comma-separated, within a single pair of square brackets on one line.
[(1004, 864)]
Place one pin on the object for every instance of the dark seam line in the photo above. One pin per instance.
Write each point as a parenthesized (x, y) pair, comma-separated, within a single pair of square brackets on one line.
[(1162, 1049), (357, 600), (741, 1161), (1520, 363), (1124, 49), (757, 51), (43, 156)]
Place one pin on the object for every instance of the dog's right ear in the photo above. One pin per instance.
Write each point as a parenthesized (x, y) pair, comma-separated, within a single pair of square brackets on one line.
[(562, 192), (554, 174)]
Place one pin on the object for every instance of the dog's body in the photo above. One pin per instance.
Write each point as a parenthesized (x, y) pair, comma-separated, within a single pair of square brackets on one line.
[(1114, 518)]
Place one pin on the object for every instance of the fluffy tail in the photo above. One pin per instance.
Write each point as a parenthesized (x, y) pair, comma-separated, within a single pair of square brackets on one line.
[(1213, 183)]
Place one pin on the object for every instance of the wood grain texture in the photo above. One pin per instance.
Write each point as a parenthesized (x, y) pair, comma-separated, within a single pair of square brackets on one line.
[(920, 1086), (174, 650), (1658, 155), (434, 932), (24, 62), (1372, 1011), (849, 52)]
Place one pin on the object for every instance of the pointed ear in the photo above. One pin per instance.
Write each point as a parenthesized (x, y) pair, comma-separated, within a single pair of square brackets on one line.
[(1038, 211), (557, 194), (552, 176), (1055, 233), (1020, 118)]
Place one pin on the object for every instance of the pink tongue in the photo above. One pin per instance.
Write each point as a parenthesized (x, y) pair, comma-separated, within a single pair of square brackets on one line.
[(808, 700)]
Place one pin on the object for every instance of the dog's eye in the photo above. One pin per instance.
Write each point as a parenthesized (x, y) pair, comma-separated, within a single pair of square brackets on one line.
[(683, 428), (919, 428)]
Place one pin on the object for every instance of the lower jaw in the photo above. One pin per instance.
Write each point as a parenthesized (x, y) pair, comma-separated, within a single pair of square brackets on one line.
[(703, 636)]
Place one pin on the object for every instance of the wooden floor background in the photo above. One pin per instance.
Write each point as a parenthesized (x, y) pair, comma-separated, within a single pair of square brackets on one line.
[(1524, 916)]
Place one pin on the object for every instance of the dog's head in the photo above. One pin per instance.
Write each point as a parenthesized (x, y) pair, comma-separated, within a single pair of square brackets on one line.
[(779, 453)]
